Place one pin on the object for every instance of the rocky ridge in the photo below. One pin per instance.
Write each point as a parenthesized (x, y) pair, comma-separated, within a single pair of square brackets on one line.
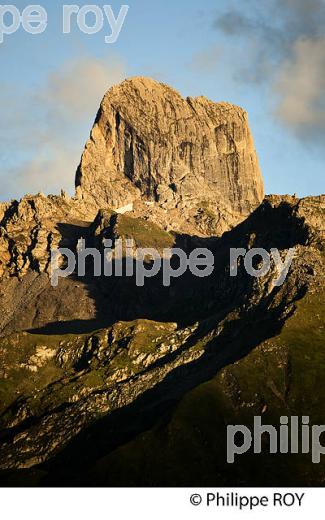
[(66, 382), (89, 365)]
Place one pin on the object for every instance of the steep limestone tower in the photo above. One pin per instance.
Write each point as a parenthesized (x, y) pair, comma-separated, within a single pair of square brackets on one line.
[(150, 144)]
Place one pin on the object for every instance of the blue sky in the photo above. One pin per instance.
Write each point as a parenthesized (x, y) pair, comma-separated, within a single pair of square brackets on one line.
[(267, 56)]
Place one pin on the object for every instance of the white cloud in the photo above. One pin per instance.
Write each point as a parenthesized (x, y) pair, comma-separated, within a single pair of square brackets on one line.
[(43, 132), (77, 88), (300, 85)]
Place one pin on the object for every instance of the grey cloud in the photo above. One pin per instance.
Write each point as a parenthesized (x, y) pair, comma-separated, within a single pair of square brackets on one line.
[(234, 23), (275, 23), (284, 42)]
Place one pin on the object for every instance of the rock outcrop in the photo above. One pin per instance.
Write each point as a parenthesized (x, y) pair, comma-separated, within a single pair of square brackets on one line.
[(89, 364), (182, 155), (67, 382)]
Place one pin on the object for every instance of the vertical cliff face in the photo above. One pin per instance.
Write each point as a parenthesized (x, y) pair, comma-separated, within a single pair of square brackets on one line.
[(150, 144)]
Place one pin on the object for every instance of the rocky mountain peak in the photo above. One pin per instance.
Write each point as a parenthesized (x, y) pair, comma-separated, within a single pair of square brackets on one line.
[(150, 145)]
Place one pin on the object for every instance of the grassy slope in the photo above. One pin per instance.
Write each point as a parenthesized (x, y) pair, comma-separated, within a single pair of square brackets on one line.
[(283, 376)]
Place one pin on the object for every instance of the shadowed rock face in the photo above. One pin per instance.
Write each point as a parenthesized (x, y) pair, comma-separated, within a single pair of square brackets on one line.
[(88, 365), (149, 143), (76, 388)]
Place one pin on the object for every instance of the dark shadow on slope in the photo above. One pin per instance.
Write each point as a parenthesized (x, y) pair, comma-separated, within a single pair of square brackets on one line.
[(237, 339), (189, 298)]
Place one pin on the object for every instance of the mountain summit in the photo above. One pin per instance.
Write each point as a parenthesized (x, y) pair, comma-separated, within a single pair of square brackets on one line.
[(150, 145)]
